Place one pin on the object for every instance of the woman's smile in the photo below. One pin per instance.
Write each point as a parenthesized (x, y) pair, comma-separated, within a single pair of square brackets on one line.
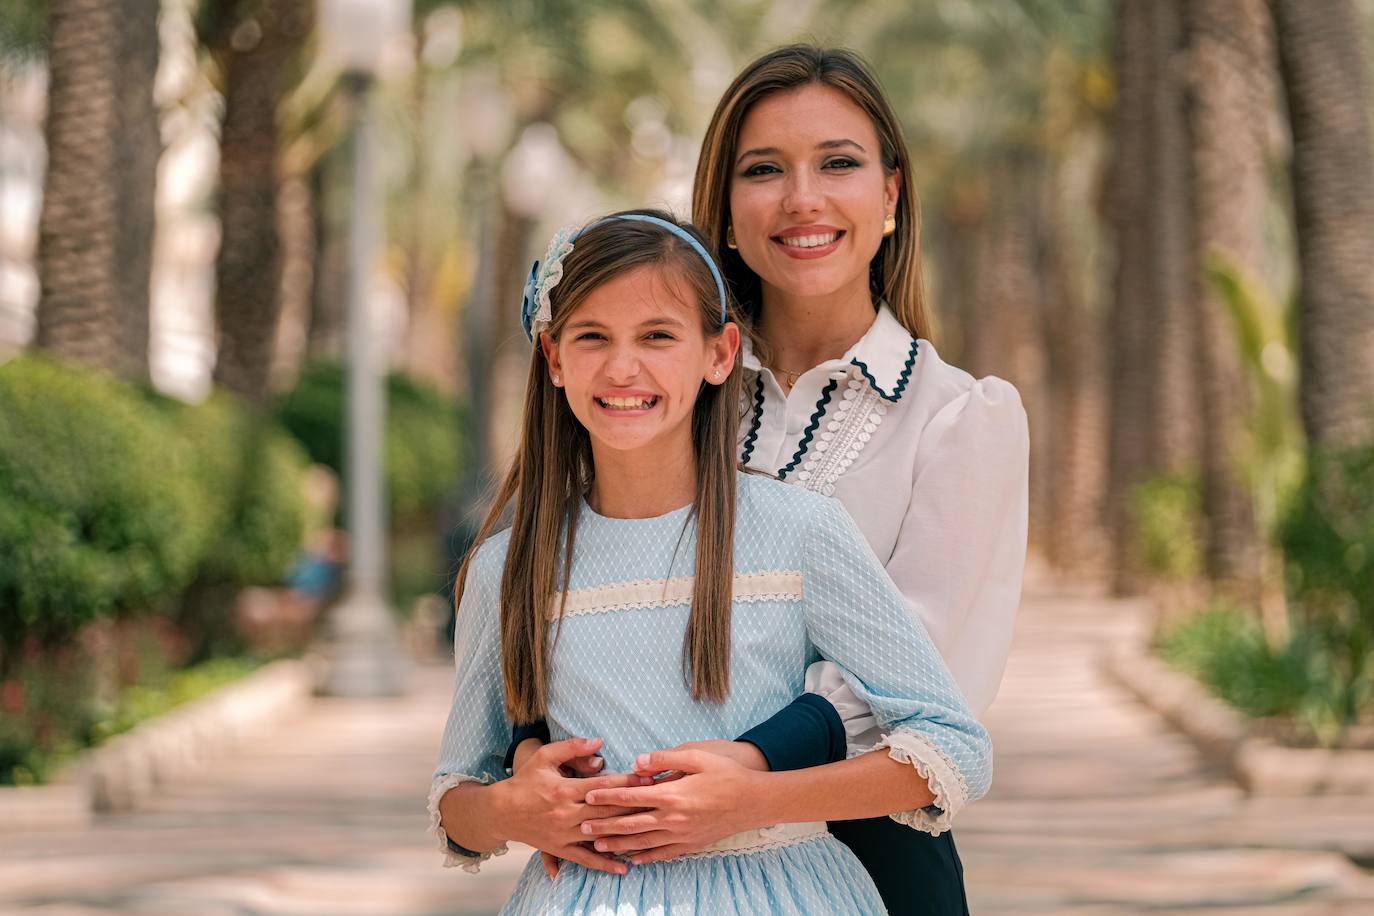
[(808, 242)]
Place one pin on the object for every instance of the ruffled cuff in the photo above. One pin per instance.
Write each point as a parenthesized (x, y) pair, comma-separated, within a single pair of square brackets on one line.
[(934, 766), (452, 858)]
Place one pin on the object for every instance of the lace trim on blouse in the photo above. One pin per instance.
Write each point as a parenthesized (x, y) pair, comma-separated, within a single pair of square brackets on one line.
[(858, 414), (769, 585)]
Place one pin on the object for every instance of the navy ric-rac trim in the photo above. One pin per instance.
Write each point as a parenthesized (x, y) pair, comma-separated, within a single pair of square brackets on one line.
[(901, 379), (753, 436), (810, 428)]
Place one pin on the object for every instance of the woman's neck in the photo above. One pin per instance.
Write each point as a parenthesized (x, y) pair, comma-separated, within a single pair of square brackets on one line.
[(805, 331), (643, 483)]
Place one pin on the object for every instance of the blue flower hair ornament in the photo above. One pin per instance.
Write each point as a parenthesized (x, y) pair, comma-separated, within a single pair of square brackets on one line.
[(536, 313)]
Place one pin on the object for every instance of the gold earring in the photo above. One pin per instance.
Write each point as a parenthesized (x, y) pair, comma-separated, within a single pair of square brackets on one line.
[(730, 238), (889, 225)]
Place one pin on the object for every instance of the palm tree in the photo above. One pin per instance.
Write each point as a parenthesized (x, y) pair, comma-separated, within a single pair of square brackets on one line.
[(1324, 74), (1130, 325), (95, 231), (257, 47), (1228, 112)]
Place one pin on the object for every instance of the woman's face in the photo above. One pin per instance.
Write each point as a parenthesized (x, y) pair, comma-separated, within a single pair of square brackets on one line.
[(632, 358), (808, 193)]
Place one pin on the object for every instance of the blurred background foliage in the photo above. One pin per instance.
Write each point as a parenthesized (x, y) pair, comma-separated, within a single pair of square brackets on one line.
[(1152, 216)]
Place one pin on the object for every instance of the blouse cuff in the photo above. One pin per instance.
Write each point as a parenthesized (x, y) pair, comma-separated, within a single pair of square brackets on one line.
[(455, 855), (805, 733), (933, 764), (536, 729)]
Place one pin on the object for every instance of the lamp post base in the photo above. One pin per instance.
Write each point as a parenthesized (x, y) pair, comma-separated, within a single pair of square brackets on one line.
[(364, 650)]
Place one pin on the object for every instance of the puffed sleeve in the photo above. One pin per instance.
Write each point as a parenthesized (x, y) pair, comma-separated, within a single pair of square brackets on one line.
[(477, 730), (961, 551), (859, 621)]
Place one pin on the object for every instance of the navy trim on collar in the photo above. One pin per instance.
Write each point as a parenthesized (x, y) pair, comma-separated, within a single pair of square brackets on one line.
[(753, 436), (810, 428), (902, 379)]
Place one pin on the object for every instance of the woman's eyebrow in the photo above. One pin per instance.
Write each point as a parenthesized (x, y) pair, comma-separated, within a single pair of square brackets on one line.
[(824, 144)]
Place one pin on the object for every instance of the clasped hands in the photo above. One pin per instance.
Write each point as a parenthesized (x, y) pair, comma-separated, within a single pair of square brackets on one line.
[(675, 801)]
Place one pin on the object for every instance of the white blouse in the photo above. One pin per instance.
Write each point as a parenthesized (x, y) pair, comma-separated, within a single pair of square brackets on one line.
[(933, 466)]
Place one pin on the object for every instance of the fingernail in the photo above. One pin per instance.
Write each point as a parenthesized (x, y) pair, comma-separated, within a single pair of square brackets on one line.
[(597, 763), (600, 845), (643, 761), (586, 828)]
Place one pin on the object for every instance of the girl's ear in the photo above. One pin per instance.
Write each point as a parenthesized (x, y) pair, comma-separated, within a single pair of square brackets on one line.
[(892, 191), (551, 357), (721, 351)]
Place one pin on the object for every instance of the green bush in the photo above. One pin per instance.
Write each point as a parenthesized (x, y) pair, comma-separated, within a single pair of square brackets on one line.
[(249, 473), (1168, 519), (422, 451), (99, 511), (1328, 544)]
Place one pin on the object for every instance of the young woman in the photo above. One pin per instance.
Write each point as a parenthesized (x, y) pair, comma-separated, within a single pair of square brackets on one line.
[(804, 187), (649, 593)]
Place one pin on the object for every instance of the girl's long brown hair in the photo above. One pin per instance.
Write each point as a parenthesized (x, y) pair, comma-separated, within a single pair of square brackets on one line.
[(895, 272), (553, 469)]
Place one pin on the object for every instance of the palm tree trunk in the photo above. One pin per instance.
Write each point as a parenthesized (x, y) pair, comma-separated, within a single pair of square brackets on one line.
[(1177, 423), (1324, 74), (258, 54), (95, 230), (1227, 112), (1130, 342)]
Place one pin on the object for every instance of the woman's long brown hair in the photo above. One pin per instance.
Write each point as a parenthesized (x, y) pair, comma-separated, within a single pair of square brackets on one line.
[(895, 272), (553, 469)]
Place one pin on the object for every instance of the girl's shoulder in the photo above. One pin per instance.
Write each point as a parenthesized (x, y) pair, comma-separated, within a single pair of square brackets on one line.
[(769, 504), (489, 560)]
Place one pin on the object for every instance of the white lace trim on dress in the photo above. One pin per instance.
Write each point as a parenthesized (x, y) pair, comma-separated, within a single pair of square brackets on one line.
[(771, 585), (452, 859), (761, 839)]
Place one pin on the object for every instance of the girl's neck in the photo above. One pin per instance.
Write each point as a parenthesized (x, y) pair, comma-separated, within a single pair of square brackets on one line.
[(644, 483), (805, 331)]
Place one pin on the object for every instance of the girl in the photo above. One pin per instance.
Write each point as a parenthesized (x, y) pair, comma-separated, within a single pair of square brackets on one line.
[(649, 593), (804, 187)]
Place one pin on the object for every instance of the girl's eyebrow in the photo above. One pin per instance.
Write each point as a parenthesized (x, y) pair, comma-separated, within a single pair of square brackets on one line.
[(588, 323), (824, 144)]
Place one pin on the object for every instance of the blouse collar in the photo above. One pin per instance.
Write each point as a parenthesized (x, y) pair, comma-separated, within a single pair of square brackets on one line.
[(883, 356)]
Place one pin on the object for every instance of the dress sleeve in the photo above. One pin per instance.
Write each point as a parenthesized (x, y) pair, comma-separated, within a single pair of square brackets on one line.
[(860, 622), (961, 550), (477, 730)]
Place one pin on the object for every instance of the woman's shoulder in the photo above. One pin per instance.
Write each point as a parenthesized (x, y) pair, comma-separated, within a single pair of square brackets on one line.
[(940, 384)]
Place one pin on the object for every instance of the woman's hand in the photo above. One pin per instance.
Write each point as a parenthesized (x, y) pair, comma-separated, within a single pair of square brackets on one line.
[(544, 808), (706, 796), (587, 765)]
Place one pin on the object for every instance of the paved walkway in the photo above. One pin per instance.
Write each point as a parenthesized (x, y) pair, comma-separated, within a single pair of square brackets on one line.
[(1097, 809)]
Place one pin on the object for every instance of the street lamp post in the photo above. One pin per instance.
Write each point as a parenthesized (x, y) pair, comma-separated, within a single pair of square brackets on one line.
[(364, 653)]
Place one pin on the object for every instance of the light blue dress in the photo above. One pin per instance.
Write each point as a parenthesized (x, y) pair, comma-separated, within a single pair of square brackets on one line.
[(806, 586)]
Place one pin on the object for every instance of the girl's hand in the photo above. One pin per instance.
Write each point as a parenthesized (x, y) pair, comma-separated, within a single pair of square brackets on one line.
[(544, 808), (709, 796)]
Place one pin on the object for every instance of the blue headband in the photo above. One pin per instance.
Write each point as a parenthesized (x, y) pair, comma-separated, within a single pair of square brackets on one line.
[(534, 308)]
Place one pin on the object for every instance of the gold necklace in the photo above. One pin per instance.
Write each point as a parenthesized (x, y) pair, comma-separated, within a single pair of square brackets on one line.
[(790, 376)]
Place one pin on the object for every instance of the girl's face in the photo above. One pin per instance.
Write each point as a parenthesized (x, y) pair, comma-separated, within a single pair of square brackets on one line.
[(808, 192), (631, 359)]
